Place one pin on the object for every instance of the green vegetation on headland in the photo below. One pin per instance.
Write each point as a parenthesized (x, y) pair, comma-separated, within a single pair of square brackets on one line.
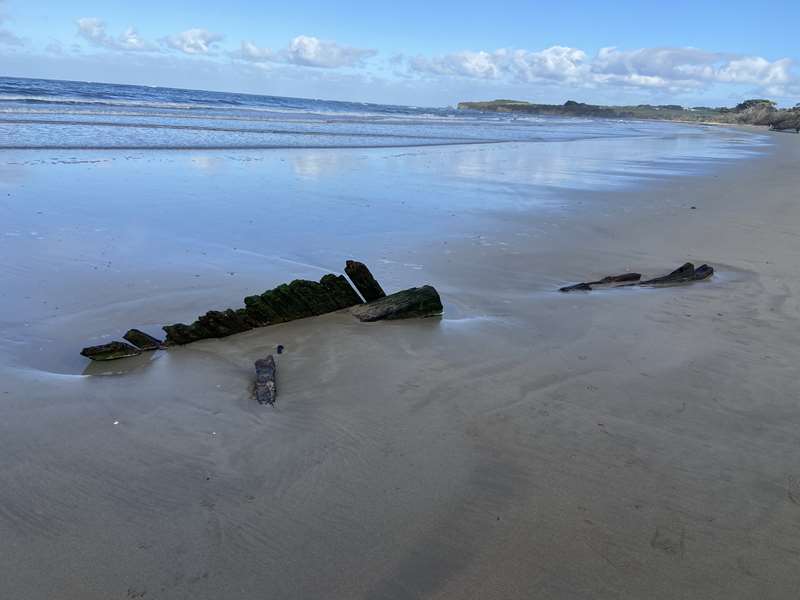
[(749, 112)]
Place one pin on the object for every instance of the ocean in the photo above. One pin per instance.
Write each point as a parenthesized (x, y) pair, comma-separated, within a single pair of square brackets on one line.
[(45, 114)]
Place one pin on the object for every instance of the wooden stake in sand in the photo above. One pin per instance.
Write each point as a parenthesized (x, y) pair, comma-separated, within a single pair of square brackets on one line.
[(266, 391), (365, 283)]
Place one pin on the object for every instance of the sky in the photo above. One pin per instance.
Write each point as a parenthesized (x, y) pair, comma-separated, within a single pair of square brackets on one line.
[(423, 53)]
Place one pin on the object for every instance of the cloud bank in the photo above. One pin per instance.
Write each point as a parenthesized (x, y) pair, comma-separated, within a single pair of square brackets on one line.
[(671, 69), (610, 72), (666, 69)]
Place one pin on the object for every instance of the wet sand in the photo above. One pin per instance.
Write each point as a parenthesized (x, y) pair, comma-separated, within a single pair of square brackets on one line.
[(628, 443)]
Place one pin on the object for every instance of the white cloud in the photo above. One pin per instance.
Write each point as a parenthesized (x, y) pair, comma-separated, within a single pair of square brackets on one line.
[(558, 63), (688, 68), (756, 70), (93, 30), (193, 41), (130, 40), (312, 52), (672, 69), (478, 65), (307, 51), (250, 52)]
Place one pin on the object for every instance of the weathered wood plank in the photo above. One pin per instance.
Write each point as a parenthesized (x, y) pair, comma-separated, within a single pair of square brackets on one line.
[(415, 302)]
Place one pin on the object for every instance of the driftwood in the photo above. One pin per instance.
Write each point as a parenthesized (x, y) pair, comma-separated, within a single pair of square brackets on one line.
[(288, 302), (624, 278), (686, 273), (365, 283), (415, 302), (142, 340), (111, 351), (610, 279), (266, 390)]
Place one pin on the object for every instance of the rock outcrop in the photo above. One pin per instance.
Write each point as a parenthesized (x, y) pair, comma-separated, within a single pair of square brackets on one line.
[(415, 302)]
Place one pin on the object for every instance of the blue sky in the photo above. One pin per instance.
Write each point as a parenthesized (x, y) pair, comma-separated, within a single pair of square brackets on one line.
[(433, 53)]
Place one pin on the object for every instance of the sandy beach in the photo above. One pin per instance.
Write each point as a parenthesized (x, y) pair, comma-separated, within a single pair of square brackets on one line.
[(630, 443)]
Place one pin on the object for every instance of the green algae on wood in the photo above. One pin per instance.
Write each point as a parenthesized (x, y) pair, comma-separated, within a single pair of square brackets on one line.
[(287, 302), (411, 303)]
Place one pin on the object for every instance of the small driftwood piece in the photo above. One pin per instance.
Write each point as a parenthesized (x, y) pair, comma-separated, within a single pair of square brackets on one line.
[(365, 283), (266, 391), (610, 279)]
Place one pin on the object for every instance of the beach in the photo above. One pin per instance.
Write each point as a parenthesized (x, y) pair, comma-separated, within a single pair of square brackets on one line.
[(625, 443)]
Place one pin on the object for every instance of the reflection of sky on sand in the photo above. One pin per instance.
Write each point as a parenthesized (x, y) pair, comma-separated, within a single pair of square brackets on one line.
[(315, 164), (589, 164), (208, 164)]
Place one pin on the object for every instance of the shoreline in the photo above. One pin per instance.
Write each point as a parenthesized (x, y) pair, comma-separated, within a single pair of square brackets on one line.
[(618, 444)]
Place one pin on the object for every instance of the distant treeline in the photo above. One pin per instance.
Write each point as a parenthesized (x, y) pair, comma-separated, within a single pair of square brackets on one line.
[(750, 112)]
